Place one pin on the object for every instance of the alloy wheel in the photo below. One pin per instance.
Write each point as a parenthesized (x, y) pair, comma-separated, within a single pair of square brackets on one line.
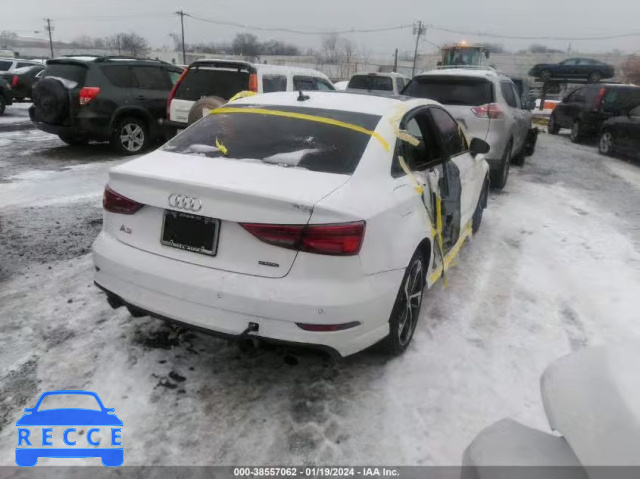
[(606, 142), (132, 137), (410, 302)]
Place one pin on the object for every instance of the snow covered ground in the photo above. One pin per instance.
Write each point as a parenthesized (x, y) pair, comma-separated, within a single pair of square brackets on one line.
[(554, 268), (15, 114)]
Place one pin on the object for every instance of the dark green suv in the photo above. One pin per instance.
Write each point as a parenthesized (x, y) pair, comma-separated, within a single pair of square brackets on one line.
[(113, 99)]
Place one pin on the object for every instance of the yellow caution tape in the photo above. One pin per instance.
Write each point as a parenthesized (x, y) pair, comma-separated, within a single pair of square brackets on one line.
[(242, 94), (223, 149), (451, 255), (302, 116)]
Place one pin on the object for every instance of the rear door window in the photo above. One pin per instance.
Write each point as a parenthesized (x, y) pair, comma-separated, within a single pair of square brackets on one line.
[(5, 65), (323, 85), (199, 82), (280, 140), (304, 83), (119, 75), (151, 78), (68, 71), (370, 82), (271, 83), (451, 90)]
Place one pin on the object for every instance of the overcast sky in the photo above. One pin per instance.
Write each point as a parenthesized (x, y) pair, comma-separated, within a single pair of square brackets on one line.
[(154, 20)]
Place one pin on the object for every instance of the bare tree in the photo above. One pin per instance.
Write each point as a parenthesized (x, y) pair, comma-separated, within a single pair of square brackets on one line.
[(134, 44), (330, 48), (631, 69), (246, 44), (177, 42), (84, 41), (7, 39)]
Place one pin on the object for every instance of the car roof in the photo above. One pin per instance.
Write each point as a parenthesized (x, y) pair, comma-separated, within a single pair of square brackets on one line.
[(488, 73), (380, 74), (261, 67), (381, 105)]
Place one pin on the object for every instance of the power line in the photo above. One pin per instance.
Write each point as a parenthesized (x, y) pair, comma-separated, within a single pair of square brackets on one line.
[(299, 32), (520, 37)]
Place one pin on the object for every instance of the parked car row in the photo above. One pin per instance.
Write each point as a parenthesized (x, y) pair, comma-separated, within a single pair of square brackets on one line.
[(609, 113), (23, 80)]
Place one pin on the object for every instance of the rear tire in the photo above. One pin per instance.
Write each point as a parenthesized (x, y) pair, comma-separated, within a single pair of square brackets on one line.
[(499, 177), (73, 140), (553, 127), (130, 136), (576, 132), (406, 309), (606, 143), (518, 160)]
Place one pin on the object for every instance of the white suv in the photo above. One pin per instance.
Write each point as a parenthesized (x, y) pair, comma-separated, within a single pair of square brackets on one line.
[(208, 84), (10, 64), (488, 106)]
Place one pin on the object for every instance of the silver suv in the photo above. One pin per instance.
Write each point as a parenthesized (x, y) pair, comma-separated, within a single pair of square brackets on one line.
[(486, 103)]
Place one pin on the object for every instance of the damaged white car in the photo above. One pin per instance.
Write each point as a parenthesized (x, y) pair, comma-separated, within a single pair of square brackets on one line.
[(307, 218)]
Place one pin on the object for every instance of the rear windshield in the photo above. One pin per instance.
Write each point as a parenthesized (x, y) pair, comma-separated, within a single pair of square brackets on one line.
[(278, 140), (370, 82), (450, 90), (208, 81), (68, 71), (621, 99)]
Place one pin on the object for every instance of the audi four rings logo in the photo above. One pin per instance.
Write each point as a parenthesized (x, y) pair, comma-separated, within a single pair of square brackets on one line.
[(184, 202)]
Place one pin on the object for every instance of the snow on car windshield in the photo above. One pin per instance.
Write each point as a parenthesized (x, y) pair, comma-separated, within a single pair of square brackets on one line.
[(69, 401), (280, 140)]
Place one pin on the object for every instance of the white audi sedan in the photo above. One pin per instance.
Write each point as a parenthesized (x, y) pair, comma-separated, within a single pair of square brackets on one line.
[(313, 218)]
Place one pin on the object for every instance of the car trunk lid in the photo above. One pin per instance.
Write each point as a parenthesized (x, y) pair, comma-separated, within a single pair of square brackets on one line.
[(230, 191)]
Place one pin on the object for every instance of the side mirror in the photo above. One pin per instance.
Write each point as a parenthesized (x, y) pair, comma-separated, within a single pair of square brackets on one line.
[(479, 147), (530, 105)]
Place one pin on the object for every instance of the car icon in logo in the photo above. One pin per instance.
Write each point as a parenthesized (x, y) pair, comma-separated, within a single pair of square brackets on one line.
[(100, 421)]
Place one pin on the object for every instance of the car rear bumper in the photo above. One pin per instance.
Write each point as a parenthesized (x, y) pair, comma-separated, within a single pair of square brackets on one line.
[(224, 303), (170, 128), (91, 127)]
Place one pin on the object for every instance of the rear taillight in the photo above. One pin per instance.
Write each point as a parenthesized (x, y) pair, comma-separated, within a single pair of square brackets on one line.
[(344, 239), (253, 82), (173, 92), (116, 203), (490, 110), (14, 81), (597, 103), (87, 94)]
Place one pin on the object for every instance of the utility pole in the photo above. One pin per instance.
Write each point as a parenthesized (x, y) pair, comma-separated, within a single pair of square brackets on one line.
[(49, 29), (395, 61), (419, 29), (184, 54)]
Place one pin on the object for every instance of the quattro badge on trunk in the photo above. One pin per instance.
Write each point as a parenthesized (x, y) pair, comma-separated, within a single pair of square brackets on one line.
[(184, 202)]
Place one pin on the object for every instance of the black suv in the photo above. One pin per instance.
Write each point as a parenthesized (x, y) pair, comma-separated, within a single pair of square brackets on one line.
[(6, 96), (585, 109), (103, 98)]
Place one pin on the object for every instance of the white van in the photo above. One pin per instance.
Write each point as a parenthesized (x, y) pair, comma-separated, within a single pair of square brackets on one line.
[(208, 84)]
